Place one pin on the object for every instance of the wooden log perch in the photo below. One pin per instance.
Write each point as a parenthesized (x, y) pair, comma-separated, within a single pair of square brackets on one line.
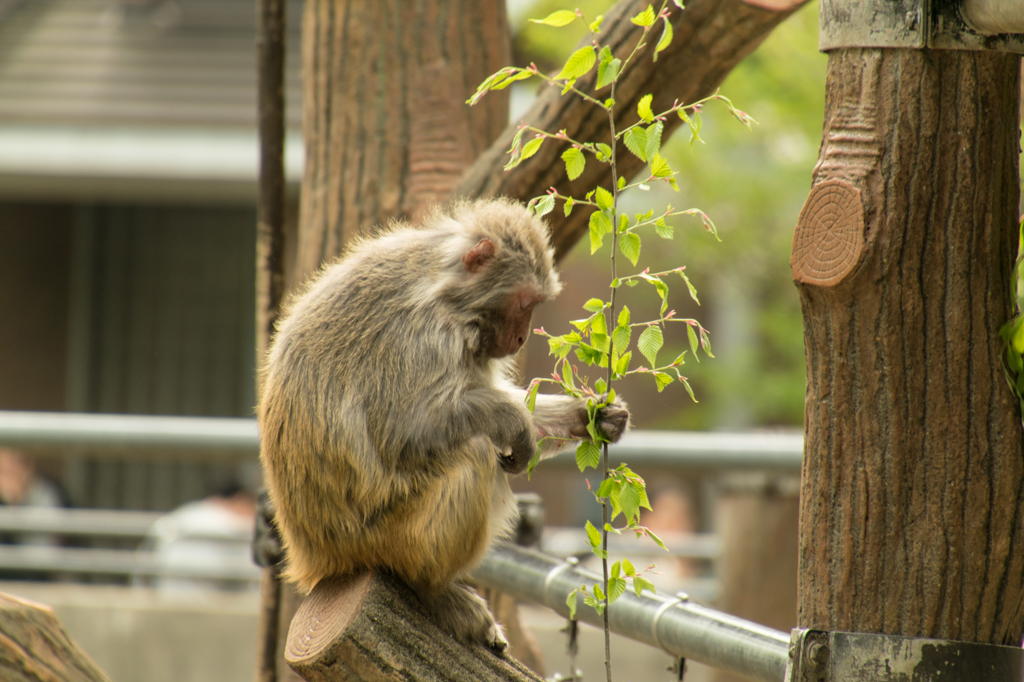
[(35, 648), (373, 627)]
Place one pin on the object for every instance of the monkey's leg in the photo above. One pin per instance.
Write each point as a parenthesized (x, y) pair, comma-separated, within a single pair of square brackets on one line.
[(443, 532), (461, 610)]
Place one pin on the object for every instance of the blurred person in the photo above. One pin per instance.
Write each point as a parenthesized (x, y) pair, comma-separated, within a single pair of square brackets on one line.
[(22, 486), (210, 536)]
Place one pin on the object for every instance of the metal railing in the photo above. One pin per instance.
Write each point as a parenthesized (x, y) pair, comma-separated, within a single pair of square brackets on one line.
[(231, 437), (677, 625)]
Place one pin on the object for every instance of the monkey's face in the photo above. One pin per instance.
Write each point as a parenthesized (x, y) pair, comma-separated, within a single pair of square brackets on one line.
[(512, 323)]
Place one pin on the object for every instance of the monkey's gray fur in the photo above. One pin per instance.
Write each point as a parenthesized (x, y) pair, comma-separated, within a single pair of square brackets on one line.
[(387, 417)]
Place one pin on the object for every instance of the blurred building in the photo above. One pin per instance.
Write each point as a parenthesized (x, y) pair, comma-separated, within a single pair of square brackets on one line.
[(128, 166)]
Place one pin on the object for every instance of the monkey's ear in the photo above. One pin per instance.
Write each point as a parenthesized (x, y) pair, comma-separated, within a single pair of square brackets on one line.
[(479, 256)]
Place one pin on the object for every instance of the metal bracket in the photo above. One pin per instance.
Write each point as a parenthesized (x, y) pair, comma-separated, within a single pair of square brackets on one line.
[(917, 24), (819, 656)]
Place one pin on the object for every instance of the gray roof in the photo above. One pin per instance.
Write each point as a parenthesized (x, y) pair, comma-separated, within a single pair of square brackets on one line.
[(95, 92)]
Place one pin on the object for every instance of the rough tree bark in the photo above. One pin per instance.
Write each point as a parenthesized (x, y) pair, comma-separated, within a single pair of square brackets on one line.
[(912, 520), (385, 124), (35, 648), (711, 37)]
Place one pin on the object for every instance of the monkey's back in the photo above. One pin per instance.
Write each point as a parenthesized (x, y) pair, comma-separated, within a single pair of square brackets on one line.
[(351, 486)]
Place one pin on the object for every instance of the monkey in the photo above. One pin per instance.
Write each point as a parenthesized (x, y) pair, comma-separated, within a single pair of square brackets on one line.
[(388, 419)]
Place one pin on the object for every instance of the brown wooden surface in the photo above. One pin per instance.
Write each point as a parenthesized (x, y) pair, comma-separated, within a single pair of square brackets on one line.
[(757, 567), (711, 37), (912, 509), (35, 648), (372, 627), (385, 122)]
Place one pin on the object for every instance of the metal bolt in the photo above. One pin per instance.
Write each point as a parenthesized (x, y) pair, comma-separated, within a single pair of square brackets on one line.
[(817, 654)]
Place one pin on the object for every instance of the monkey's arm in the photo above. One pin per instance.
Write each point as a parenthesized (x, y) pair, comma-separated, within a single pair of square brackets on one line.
[(561, 420)]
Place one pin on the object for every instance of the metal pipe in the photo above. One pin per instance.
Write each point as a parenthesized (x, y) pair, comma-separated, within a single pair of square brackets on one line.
[(691, 451), (122, 432), (677, 625)]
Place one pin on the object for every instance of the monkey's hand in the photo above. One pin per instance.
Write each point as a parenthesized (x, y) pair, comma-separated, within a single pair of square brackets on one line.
[(522, 450), (612, 420)]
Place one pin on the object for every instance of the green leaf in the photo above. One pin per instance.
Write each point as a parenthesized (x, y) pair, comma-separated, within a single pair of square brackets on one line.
[(593, 535), (650, 342), (579, 63), (627, 568), (587, 455), (621, 337), (622, 182), (645, 18), (522, 75), (657, 541), (689, 389), (604, 149), (568, 206), (640, 584), (562, 17), (571, 602), (531, 147), (663, 380), (623, 223), (600, 385), (616, 569), (599, 227), (629, 500), (545, 205), (594, 305), (629, 244), (591, 355), (616, 587), (692, 335), (624, 316), (604, 199), (531, 396), (599, 324), (622, 364), (636, 142), (660, 167), (575, 162), (643, 107), (607, 72), (664, 230), (595, 25), (689, 285), (605, 488), (666, 37), (653, 139)]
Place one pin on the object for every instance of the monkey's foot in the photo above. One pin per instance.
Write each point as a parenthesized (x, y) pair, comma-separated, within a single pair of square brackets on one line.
[(463, 612)]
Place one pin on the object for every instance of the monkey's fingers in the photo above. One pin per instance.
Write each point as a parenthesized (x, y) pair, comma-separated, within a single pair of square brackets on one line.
[(522, 450), (613, 421)]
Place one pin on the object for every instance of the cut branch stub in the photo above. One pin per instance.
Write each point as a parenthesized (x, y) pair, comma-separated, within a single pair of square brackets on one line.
[(829, 239), (373, 626)]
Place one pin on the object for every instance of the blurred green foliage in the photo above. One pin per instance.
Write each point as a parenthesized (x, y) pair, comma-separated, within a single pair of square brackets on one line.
[(752, 184)]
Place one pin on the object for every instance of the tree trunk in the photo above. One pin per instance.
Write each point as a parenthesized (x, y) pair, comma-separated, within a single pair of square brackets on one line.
[(385, 122), (912, 520), (711, 37)]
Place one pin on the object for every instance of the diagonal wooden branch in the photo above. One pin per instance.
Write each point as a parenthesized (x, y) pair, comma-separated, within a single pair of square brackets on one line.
[(711, 37)]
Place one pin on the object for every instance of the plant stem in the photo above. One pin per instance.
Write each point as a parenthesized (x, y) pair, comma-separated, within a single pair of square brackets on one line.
[(611, 373)]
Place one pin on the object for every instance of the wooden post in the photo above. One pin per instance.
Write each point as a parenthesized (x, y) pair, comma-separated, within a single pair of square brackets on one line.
[(35, 648), (373, 627), (912, 500)]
